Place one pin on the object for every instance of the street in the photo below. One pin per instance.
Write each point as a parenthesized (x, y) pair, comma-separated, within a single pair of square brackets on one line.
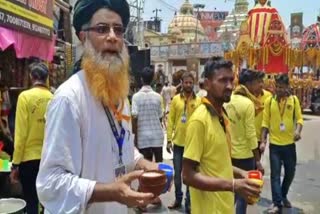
[(305, 190)]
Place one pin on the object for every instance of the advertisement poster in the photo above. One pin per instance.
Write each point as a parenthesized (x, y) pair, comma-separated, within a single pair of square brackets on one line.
[(211, 21)]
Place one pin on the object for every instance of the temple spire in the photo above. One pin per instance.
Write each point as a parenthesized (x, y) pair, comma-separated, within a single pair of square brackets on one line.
[(241, 6)]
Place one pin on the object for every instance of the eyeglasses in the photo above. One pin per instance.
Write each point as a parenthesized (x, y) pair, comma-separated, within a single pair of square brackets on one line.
[(105, 29)]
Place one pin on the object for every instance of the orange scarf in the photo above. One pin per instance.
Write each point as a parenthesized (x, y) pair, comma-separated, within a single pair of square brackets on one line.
[(118, 113), (242, 90)]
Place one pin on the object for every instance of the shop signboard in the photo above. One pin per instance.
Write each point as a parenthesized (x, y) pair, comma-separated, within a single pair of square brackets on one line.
[(34, 17), (164, 51), (183, 50), (202, 50), (154, 51), (173, 50)]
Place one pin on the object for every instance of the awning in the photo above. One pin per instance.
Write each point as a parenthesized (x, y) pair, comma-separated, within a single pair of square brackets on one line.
[(26, 45)]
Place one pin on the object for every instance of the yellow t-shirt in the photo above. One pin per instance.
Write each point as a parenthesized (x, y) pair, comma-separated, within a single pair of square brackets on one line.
[(206, 143), (259, 117), (241, 113), (176, 128), (272, 119), (30, 123)]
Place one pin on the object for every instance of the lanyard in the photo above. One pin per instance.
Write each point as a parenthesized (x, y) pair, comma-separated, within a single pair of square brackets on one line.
[(186, 101), (282, 111), (185, 107), (119, 138)]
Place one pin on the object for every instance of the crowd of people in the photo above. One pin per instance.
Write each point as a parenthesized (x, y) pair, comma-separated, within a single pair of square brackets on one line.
[(78, 151), (219, 134)]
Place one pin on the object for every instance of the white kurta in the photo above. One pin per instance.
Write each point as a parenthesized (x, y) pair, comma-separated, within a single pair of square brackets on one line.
[(80, 150)]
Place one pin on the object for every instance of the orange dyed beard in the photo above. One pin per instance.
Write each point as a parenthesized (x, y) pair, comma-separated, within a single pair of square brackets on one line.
[(107, 77)]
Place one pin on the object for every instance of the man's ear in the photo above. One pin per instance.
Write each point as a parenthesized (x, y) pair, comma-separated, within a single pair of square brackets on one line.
[(206, 83), (82, 36)]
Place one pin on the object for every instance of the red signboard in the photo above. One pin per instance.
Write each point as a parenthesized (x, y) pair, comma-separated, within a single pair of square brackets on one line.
[(211, 21)]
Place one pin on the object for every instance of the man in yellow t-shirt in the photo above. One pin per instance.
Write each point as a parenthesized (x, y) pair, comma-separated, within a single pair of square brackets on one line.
[(262, 96), (241, 112), (207, 167), (29, 134), (181, 109), (282, 119)]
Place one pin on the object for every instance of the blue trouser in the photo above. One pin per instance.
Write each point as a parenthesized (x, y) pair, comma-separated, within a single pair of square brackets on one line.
[(177, 165), (286, 156), (245, 164)]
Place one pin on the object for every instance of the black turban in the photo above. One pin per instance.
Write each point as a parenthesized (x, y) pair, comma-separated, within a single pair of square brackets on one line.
[(84, 10)]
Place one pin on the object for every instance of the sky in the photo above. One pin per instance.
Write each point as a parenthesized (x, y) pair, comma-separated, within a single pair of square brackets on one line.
[(310, 9)]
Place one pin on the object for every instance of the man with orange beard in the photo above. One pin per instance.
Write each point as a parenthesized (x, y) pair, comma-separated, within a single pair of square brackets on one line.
[(89, 158)]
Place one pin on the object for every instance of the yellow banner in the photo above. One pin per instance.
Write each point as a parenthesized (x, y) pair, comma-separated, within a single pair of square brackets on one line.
[(25, 13)]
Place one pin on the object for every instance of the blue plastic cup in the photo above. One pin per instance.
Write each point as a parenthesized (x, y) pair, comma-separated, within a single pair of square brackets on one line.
[(169, 174)]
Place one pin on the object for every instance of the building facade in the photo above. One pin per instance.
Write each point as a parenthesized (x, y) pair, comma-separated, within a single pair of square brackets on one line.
[(187, 45)]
